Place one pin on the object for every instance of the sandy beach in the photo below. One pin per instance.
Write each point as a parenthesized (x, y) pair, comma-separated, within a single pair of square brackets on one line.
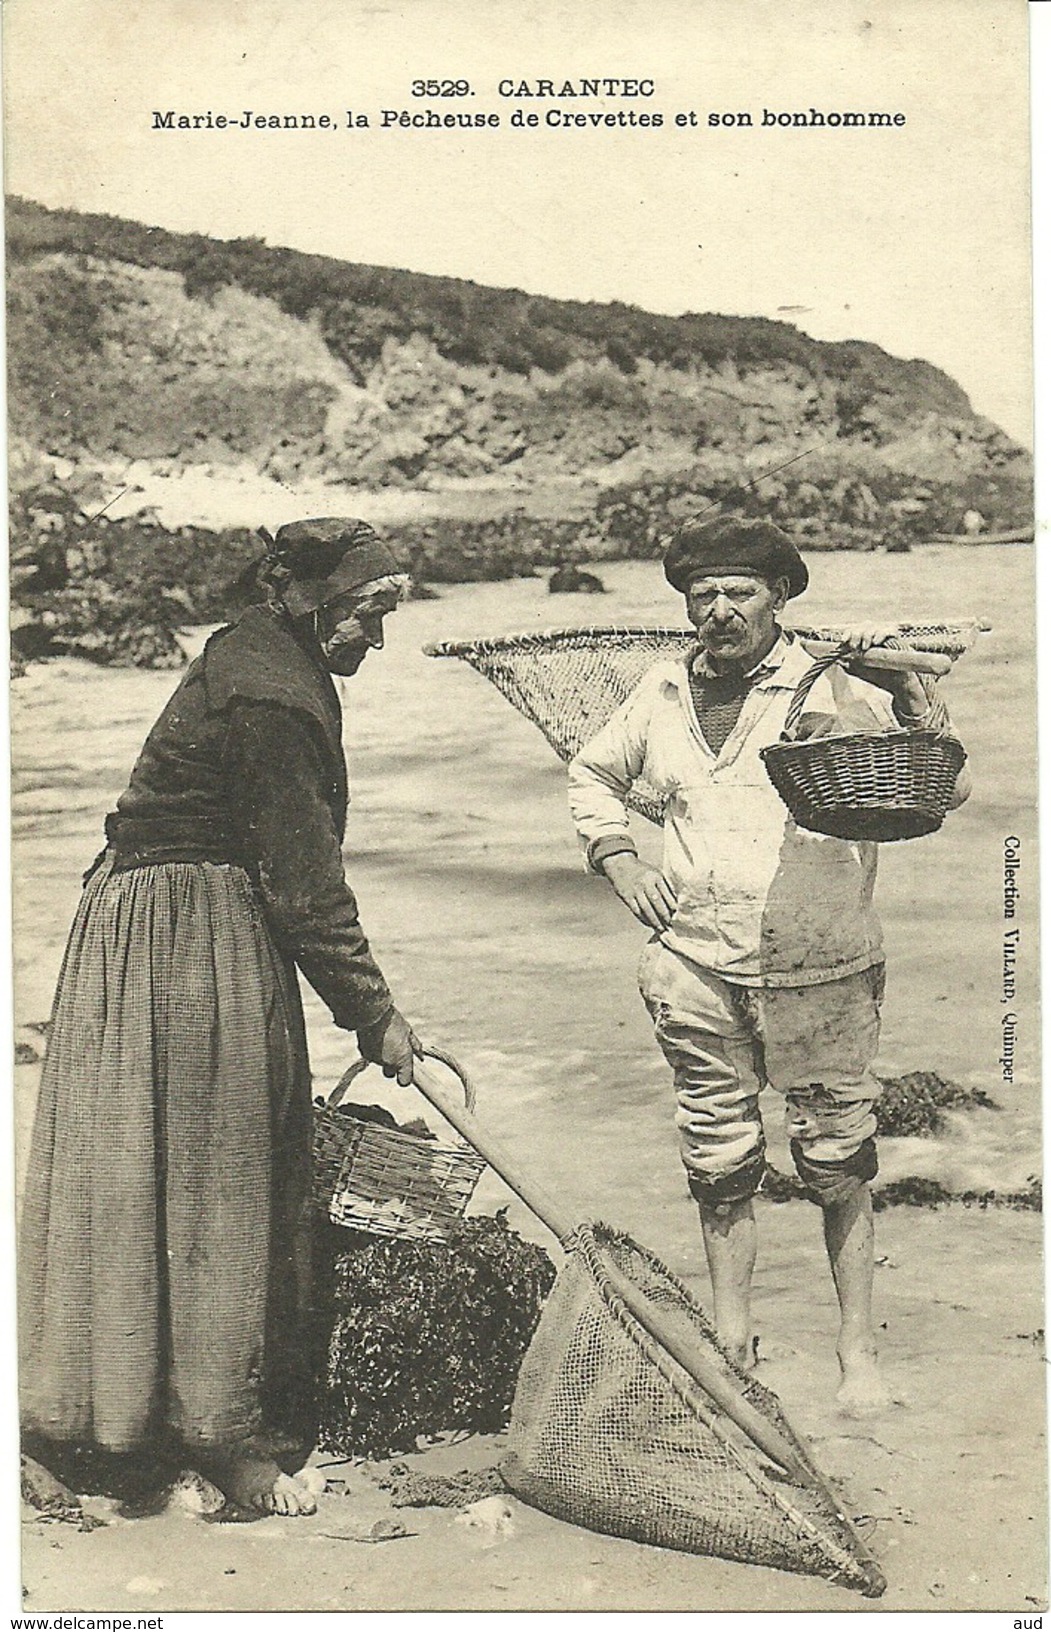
[(947, 1487), (502, 949)]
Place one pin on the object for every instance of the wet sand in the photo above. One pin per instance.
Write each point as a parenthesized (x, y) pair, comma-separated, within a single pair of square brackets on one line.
[(946, 1488)]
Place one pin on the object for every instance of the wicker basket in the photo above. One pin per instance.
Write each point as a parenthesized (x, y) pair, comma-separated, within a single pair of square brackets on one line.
[(386, 1181), (875, 786)]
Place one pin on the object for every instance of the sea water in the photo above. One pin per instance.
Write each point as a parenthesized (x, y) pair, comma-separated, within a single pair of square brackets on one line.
[(499, 946)]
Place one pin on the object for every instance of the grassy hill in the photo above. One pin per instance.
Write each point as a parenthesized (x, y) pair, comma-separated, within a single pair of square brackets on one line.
[(130, 343), (358, 308)]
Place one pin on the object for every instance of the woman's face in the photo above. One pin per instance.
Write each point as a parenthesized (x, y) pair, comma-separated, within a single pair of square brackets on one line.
[(350, 625)]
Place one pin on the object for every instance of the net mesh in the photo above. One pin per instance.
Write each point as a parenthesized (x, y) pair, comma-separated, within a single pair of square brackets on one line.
[(608, 1431), (569, 681)]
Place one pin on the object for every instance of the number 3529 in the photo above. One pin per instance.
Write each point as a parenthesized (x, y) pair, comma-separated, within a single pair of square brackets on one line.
[(441, 87)]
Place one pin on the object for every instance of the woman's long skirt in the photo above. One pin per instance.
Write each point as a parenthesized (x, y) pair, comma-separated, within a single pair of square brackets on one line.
[(164, 1250)]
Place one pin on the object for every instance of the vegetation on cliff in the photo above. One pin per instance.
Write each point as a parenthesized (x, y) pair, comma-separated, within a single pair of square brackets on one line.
[(358, 308), (129, 343)]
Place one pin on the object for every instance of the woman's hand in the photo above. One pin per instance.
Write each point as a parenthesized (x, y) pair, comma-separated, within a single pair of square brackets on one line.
[(642, 887), (394, 1045)]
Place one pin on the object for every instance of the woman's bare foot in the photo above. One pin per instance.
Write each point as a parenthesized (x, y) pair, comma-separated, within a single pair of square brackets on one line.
[(250, 1478)]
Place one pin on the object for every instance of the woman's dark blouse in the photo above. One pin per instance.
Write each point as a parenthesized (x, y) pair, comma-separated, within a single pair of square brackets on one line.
[(245, 766)]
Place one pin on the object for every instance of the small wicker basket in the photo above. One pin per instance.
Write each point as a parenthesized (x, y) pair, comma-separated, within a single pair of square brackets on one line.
[(863, 785), (386, 1181)]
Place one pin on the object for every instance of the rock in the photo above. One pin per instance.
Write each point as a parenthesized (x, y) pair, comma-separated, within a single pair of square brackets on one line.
[(48, 1495), (148, 1585), (492, 1519), (572, 580), (370, 1535), (386, 1530), (193, 1493)]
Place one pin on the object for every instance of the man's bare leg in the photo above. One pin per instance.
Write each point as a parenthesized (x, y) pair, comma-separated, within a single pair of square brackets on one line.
[(729, 1244), (849, 1240)]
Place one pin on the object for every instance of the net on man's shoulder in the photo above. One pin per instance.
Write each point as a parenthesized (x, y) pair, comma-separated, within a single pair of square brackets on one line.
[(569, 681)]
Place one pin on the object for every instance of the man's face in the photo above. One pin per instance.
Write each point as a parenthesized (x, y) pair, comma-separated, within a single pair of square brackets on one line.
[(735, 615), (349, 626)]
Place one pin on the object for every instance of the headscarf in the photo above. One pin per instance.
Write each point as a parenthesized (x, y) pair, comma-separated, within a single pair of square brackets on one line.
[(310, 562)]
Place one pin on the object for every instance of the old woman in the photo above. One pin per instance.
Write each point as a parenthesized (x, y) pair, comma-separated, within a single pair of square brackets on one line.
[(164, 1241)]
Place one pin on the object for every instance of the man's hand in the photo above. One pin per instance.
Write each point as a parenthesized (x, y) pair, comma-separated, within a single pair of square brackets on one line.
[(394, 1045), (643, 889), (911, 697)]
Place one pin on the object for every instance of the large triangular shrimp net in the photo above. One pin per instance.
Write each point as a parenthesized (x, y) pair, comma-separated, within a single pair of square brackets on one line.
[(569, 681), (608, 1431)]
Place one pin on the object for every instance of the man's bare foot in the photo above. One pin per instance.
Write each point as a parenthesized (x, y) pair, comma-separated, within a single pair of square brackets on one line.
[(746, 1354), (250, 1478), (741, 1350), (862, 1392)]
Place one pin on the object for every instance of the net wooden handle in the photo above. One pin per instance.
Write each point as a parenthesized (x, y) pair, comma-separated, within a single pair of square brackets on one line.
[(886, 657), (704, 1371)]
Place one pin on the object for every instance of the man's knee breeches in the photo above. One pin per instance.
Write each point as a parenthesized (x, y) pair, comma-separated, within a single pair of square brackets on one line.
[(725, 1043)]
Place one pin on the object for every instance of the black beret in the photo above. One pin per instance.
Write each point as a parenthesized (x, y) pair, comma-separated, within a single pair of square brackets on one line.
[(733, 544)]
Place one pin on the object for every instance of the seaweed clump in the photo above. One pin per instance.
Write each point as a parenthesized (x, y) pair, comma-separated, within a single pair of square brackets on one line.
[(917, 1192), (778, 1186), (914, 1105), (428, 1337)]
